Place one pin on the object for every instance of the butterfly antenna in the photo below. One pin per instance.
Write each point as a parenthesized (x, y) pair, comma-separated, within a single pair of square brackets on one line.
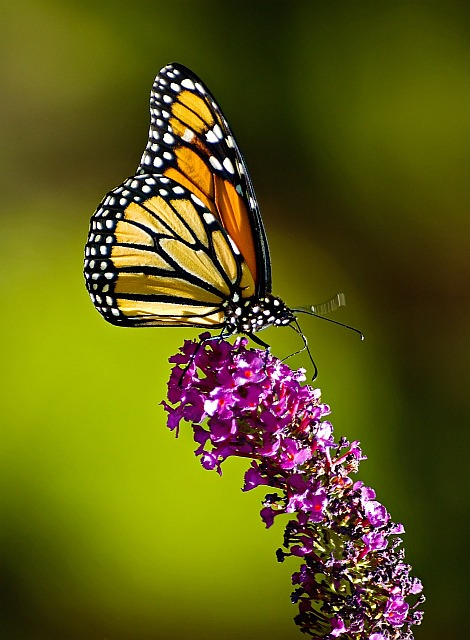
[(319, 311), (296, 327), (338, 300)]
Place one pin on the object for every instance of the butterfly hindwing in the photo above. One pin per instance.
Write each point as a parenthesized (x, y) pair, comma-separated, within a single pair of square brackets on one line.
[(191, 142), (157, 256)]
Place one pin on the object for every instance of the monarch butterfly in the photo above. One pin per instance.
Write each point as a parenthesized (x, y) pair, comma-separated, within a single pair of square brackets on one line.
[(182, 242)]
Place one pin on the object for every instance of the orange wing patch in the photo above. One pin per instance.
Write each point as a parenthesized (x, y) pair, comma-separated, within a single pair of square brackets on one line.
[(164, 313), (220, 197), (192, 119), (184, 120), (194, 174), (232, 213), (197, 106), (128, 233), (148, 285), (123, 256)]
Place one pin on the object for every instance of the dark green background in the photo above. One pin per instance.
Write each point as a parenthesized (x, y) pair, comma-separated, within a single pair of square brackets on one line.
[(354, 118)]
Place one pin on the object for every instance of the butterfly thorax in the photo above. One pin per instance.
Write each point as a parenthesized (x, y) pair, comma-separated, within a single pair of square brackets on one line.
[(255, 314)]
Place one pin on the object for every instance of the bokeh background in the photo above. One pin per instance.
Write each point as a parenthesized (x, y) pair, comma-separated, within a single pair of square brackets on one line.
[(354, 119)]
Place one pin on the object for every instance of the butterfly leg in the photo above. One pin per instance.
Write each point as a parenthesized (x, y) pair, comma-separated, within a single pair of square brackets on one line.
[(208, 338), (201, 342)]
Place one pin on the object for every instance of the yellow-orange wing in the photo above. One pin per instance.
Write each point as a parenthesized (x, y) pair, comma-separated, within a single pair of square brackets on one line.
[(157, 256), (191, 142)]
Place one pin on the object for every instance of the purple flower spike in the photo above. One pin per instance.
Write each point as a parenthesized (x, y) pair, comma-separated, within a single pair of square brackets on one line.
[(353, 582)]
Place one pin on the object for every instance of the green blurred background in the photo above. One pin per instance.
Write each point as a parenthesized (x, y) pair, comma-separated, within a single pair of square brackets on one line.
[(354, 119)]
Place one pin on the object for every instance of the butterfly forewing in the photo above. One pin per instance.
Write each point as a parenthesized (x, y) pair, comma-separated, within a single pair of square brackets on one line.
[(191, 142)]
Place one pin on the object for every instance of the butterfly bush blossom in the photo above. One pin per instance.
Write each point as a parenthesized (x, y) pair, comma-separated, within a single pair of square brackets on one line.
[(353, 581)]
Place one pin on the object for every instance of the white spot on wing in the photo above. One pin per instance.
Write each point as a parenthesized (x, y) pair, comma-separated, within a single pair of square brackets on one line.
[(209, 218), (228, 165), (215, 163), (188, 135), (234, 246), (196, 200), (211, 137), (187, 83)]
